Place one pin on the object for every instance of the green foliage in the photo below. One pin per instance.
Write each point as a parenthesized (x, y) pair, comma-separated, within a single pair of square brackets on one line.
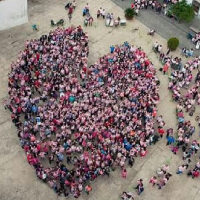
[(183, 11), (173, 43), (129, 13)]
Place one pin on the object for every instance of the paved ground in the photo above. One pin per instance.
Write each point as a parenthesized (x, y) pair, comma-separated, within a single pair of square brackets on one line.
[(165, 26), (17, 179)]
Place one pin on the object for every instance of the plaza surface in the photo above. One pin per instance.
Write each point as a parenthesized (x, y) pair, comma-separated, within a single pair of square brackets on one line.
[(17, 178)]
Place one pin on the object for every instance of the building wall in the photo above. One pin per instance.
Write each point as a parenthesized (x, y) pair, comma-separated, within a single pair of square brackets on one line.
[(13, 13), (189, 1)]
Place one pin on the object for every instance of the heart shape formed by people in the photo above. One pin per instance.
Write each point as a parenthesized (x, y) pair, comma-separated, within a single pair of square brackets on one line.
[(76, 122)]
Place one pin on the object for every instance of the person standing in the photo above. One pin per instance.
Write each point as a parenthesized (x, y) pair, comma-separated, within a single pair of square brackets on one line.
[(140, 189), (70, 10), (124, 173), (131, 161), (103, 13), (88, 189), (159, 48), (161, 131), (168, 51), (140, 186), (155, 46), (90, 20), (181, 169), (153, 181), (112, 48), (98, 13), (170, 140), (87, 7), (165, 68), (146, 5)]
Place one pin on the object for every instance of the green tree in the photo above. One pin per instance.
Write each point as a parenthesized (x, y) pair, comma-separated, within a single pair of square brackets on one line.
[(172, 44), (183, 11), (129, 13)]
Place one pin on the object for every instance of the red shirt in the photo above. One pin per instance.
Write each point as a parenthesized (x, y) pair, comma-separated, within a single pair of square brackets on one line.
[(161, 131), (38, 56), (19, 109), (70, 10), (37, 84), (26, 148), (196, 174), (29, 157), (147, 62), (38, 147), (37, 73)]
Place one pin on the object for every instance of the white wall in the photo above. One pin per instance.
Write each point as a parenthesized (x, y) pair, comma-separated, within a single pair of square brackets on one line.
[(189, 1), (13, 13)]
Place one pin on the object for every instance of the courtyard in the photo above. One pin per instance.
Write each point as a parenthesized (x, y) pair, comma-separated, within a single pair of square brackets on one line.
[(18, 180)]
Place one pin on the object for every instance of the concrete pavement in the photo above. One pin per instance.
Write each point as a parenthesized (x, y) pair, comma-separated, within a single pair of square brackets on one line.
[(18, 180)]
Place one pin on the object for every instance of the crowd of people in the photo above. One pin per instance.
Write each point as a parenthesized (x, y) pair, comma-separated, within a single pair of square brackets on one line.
[(75, 122), (108, 17), (183, 78), (154, 5), (187, 52)]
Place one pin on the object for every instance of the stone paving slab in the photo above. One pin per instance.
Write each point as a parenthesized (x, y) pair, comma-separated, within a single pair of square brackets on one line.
[(18, 180)]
